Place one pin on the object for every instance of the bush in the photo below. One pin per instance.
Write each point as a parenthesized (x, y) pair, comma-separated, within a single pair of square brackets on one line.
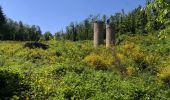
[(11, 84), (128, 45), (62, 70), (37, 54), (36, 45), (100, 61), (164, 75)]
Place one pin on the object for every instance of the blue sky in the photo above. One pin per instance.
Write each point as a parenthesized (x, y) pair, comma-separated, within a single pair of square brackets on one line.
[(54, 15)]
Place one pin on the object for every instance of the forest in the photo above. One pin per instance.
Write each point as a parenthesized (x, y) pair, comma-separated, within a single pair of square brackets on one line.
[(65, 66)]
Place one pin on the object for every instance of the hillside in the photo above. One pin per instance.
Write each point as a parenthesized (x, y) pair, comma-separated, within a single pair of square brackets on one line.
[(137, 67)]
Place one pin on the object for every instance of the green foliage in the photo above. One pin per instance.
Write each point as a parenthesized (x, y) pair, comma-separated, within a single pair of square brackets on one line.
[(138, 21), (102, 61), (12, 85), (2, 61), (12, 30), (2, 18), (90, 84), (164, 75), (137, 68), (2, 22), (47, 36), (141, 20), (162, 8)]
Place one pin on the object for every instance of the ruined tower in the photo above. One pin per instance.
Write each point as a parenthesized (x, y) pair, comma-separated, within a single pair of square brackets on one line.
[(110, 35), (98, 33)]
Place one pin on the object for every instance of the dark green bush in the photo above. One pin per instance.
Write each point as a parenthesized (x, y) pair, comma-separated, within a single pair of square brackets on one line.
[(11, 84), (33, 45)]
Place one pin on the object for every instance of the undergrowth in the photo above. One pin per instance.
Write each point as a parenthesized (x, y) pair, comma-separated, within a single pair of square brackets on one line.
[(136, 68)]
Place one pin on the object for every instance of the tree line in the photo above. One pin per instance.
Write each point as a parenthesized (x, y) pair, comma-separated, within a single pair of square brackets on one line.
[(12, 30), (142, 20)]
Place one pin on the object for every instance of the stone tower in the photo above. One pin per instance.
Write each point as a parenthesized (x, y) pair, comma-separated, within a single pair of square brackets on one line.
[(98, 33), (110, 35)]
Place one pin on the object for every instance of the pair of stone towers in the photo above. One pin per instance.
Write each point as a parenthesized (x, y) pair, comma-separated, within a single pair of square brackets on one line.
[(99, 34)]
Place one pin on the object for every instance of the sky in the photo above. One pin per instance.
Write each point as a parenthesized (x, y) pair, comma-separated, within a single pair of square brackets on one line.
[(55, 15)]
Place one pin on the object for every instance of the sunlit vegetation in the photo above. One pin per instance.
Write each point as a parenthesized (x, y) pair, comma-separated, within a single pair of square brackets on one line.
[(136, 68), (62, 67)]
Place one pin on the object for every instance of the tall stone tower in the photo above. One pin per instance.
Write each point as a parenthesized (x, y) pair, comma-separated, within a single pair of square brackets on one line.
[(98, 33), (110, 34)]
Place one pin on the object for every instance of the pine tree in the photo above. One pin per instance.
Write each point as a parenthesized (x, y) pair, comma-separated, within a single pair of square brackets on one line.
[(2, 22), (2, 17)]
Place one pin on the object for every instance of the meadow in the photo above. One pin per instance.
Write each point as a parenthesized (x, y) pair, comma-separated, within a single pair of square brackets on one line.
[(136, 68)]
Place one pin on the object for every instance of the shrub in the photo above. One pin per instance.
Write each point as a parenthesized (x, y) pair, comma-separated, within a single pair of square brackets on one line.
[(36, 45), (120, 56), (11, 84), (100, 61), (130, 71), (2, 60), (164, 75), (37, 54), (128, 45), (62, 70), (146, 62)]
